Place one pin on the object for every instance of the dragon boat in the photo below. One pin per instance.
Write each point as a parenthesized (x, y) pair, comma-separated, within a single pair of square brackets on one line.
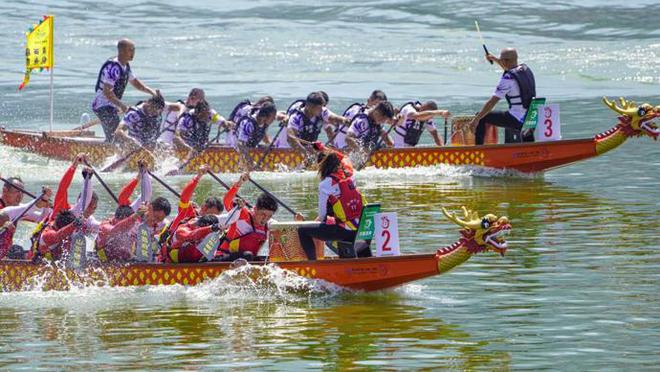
[(634, 121), (478, 234)]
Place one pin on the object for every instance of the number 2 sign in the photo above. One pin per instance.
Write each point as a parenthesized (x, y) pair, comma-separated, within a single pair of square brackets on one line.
[(386, 234)]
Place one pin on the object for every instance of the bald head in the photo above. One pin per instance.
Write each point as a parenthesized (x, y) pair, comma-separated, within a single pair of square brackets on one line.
[(509, 57), (125, 50)]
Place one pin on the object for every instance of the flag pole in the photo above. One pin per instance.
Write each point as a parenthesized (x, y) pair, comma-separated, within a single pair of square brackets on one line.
[(51, 100)]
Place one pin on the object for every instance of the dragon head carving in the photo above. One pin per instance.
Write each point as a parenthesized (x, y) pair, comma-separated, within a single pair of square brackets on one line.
[(481, 233), (635, 120)]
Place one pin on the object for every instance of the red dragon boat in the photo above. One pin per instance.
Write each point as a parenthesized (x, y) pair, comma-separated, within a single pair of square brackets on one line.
[(368, 274), (634, 121)]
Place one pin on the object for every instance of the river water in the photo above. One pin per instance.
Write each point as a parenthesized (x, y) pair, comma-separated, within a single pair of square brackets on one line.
[(577, 289)]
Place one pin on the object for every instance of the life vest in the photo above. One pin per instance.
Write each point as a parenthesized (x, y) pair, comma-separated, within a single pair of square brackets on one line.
[(147, 129), (54, 251), (197, 136), (413, 129), (258, 133), (249, 242), (235, 115), (120, 84), (353, 110), (35, 238), (6, 239), (371, 138), (169, 126), (295, 106), (523, 75), (347, 208), (311, 127)]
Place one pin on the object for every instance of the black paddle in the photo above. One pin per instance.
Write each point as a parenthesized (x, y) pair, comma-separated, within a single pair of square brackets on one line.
[(102, 182), (280, 202), (18, 188), (215, 177), (270, 146), (483, 43), (445, 132), (165, 185)]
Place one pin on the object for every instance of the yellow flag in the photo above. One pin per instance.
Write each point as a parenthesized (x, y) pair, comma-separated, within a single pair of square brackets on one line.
[(39, 48)]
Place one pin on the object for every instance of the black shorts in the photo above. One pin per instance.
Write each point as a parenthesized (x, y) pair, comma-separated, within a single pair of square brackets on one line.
[(109, 117)]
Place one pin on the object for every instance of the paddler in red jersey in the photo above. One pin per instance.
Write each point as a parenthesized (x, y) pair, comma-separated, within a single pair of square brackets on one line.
[(245, 237), (340, 203), (52, 236), (186, 212), (117, 235)]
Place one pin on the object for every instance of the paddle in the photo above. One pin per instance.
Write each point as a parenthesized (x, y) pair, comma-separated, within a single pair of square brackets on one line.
[(144, 243), (165, 185), (77, 256), (87, 125), (270, 146), (215, 177), (445, 132), (19, 188), (192, 156), (280, 202), (379, 144), (210, 244), (483, 43), (114, 165), (102, 182)]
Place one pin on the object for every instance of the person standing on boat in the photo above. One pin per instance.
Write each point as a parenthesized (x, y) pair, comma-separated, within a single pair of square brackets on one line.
[(340, 203), (413, 119), (518, 86), (366, 129), (339, 138), (141, 124), (111, 83)]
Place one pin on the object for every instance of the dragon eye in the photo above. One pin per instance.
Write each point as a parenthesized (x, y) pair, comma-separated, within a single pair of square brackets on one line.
[(485, 223), (641, 111)]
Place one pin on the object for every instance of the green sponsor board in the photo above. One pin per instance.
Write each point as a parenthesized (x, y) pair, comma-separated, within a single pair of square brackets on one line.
[(366, 228), (533, 113)]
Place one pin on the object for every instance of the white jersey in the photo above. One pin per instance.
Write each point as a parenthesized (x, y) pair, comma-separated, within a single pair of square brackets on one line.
[(509, 86), (399, 132)]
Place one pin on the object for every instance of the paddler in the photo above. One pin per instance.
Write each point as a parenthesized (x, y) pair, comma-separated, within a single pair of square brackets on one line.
[(307, 121), (366, 129), (141, 124), (173, 111), (248, 233), (339, 139), (518, 86), (252, 130), (413, 119), (117, 235), (194, 127), (52, 237), (29, 212), (243, 109), (111, 83), (340, 203)]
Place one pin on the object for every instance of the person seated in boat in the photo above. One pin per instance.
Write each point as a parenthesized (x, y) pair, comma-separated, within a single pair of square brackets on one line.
[(248, 233), (366, 129), (141, 124), (173, 111), (111, 83), (12, 196), (252, 130), (194, 127), (51, 237), (340, 203), (518, 86), (27, 212), (339, 138), (243, 109), (307, 121), (413, 119)]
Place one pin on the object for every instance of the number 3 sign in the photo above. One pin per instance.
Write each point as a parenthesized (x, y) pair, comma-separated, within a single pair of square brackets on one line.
[(386, 234), (548, 125)]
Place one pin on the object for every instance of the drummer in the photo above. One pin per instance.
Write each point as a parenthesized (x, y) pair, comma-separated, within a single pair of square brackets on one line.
[(111, 83), (340, 203), (518, 86)]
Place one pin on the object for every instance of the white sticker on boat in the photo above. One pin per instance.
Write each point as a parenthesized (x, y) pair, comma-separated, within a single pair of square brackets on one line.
[(386, 234), (548, 127)]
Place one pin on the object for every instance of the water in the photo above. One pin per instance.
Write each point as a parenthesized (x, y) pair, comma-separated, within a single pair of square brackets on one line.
[(576, 290)]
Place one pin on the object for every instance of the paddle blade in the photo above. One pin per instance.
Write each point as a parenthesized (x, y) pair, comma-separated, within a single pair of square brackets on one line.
[(144, 251), (209, 246), (77, 257)]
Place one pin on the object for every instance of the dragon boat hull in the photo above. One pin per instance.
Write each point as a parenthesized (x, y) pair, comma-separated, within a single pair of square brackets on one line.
[(523, 157), (367, 274)]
